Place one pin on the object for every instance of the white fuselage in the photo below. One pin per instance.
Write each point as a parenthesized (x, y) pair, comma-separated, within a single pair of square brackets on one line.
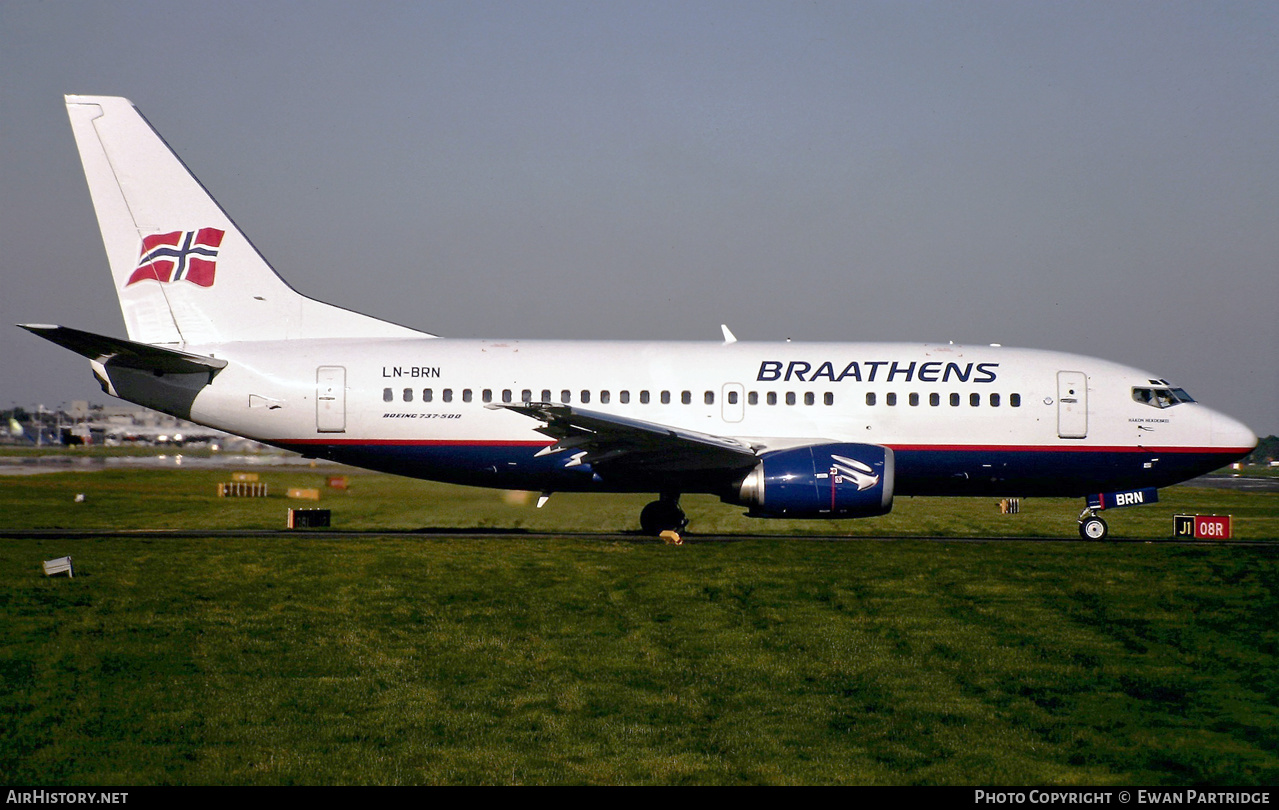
[(962, 420)]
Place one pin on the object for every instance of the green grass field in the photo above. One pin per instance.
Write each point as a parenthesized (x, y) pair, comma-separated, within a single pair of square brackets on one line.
[(429, 658)]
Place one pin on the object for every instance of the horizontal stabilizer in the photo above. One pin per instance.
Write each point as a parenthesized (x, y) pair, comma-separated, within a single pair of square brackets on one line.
[(125, 353)]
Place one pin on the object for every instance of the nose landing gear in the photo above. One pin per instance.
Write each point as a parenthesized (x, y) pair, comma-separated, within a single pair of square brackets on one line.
[(1092, 527)]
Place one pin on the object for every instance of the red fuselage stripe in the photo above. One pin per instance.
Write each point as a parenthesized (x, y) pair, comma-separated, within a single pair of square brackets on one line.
[(1060, 448), (900, 448)]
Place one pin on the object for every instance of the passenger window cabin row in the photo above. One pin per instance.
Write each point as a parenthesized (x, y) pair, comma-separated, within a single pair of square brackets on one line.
[(686, 397), (585, 396), (954, 399)]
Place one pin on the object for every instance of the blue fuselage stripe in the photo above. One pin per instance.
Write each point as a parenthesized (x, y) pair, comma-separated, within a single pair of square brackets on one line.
[(1064, 472)]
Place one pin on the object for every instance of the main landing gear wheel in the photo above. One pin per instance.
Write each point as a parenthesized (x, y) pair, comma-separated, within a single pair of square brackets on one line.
[(1093, 528), (663, 516)]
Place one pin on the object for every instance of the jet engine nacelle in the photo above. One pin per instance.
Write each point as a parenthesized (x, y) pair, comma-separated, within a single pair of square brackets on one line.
[(820, 481)]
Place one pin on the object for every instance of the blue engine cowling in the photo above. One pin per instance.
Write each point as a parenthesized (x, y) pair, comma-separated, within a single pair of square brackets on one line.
[(820, 481)]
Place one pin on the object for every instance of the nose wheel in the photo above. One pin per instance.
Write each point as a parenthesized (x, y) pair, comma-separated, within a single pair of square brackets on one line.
[(663, 516), (1092, 527)]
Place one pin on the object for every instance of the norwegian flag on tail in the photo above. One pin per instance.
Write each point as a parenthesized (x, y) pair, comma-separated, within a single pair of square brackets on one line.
[(179, 256)]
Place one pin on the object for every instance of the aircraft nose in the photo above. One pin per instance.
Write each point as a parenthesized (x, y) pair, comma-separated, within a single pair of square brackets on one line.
[(1228, 432)]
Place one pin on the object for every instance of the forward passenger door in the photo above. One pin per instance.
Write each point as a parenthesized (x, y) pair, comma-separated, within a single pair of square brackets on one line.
[(1072, 404)]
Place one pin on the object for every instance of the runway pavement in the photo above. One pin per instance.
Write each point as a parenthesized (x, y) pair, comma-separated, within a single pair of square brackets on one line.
[(1241, 482)]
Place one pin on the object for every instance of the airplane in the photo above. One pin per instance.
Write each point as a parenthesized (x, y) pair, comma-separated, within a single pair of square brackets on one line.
[(787, 430)]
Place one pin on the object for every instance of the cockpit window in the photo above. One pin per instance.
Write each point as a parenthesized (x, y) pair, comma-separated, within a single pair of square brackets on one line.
[(1161, 397)]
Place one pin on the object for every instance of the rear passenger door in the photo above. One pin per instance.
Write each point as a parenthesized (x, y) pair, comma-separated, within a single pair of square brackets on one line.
[(330, 399)]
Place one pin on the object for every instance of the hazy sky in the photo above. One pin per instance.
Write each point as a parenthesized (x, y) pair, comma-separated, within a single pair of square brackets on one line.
[(1096, 177)]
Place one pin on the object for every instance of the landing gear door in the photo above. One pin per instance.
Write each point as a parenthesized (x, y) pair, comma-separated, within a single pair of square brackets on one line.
[(330, 399), (1072, 404)]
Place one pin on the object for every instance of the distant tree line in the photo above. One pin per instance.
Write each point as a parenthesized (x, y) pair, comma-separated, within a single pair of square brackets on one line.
[(1266, 452)]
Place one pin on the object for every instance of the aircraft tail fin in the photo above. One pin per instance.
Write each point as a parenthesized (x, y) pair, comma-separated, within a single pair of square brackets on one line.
[(184, 272)]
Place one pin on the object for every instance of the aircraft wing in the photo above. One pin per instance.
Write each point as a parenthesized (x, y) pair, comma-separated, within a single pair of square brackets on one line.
[(631, 446)]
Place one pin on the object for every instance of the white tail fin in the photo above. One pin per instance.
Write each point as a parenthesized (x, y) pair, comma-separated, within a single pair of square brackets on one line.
[(184, 272)]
